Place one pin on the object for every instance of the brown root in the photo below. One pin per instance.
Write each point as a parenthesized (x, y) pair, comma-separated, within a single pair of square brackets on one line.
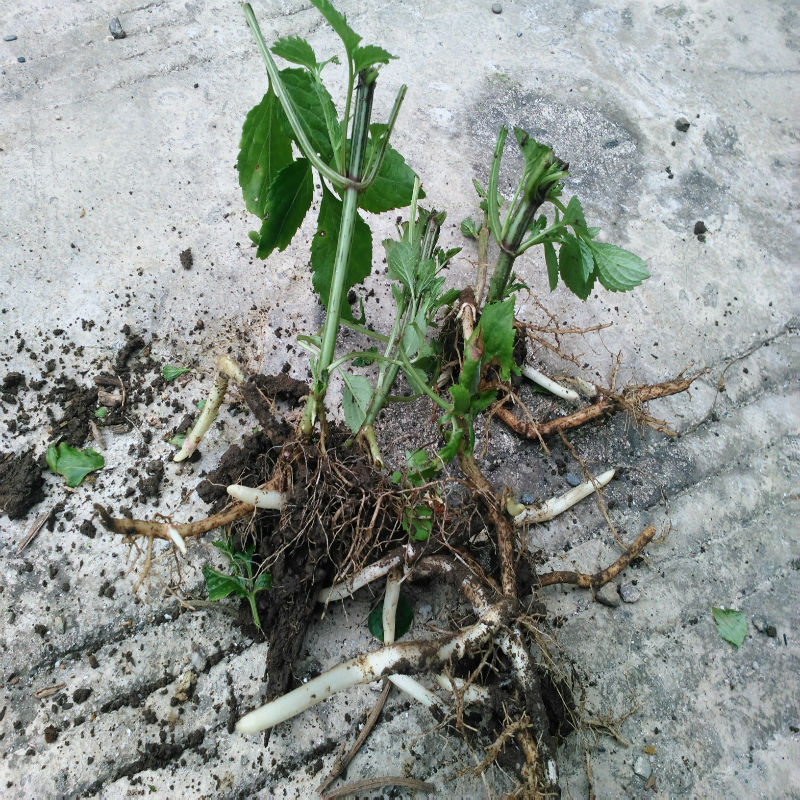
[(630, 400), (604, 576)]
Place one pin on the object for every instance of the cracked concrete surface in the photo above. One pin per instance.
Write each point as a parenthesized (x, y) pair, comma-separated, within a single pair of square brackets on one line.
[(118, 155)]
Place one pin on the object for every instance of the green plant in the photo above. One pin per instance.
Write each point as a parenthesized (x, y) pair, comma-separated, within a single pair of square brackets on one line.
[(451, 346), (72, 463), (243, 580)]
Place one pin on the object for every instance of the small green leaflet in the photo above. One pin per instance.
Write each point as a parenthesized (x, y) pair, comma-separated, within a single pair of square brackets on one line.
[(731, 624), (403, 618), (288, 201), (552, 264), (617, 269), (401, 261), (177, 440), (170, 373), (533, 152), (418, 522), (323, 251), (497, 330), (469, 228), (393, 185), (338, 22), (573, 216), (73, 464), (573, 264), (265, 149), (356, 399), (101, 413), (368, 55), (296, 50), (220, 585)]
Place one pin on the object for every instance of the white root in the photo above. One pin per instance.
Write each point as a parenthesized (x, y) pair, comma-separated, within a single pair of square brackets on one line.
[(405, 683), (472, 693), (373, 572), (226, 369), (413, 688), (176, 538), (373, 666), (558, 505), (548, 383), (260, 498), (588, 390)]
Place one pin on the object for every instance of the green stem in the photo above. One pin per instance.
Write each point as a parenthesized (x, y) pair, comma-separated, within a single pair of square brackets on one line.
[(251, 596), (361, 115)]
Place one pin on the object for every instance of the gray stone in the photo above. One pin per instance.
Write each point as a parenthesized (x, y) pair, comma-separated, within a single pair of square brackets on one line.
[(497, 8), (642, 767), (527, 499), (629, 593), (10, 37), (682, 124), (115, 28), (608, 595), (59, 626), (572, 479), (21, 59)]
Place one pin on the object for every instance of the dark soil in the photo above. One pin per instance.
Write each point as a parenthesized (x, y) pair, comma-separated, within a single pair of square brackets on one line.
[(21, 483)]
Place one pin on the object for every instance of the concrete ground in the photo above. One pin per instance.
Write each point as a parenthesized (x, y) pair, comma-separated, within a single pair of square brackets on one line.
[(117, 155)]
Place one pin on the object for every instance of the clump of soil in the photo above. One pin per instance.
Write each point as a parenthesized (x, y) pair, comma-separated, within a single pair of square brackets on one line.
[(21, 483)]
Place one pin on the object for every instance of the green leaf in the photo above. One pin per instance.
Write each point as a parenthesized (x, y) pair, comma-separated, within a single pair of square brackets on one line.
[(461, 399), (368, 55), (315, 108), (73, 464), (263, 581), (552, 264), (296, 50), (418, 522), (366, 360), (288, 201), (574, 215), (731, 624), (479, 189), (401, 261), (448, 298), (533, 152), (392, 187), (469, 228), (220, 585), (497, 329), (572, 264), (617, 269), (51, 457), (356, 400), (170, 373), (101, 413), (338, 22), (264, 149), (323, 251), (177, 440), (403, 618)]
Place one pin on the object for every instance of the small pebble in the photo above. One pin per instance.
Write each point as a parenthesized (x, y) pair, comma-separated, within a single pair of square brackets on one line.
[(608, 595), (629, 593), (682, 124), (700, 228), (642, 767), (760, 624), (772, 631), (115, 29), (497, 8), (50, 734), (572, 479), (21, 59), (59, 626), (11, 37), (527, 499)]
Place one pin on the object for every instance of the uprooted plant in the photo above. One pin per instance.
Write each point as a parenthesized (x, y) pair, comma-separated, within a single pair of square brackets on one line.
[(331, 520)]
